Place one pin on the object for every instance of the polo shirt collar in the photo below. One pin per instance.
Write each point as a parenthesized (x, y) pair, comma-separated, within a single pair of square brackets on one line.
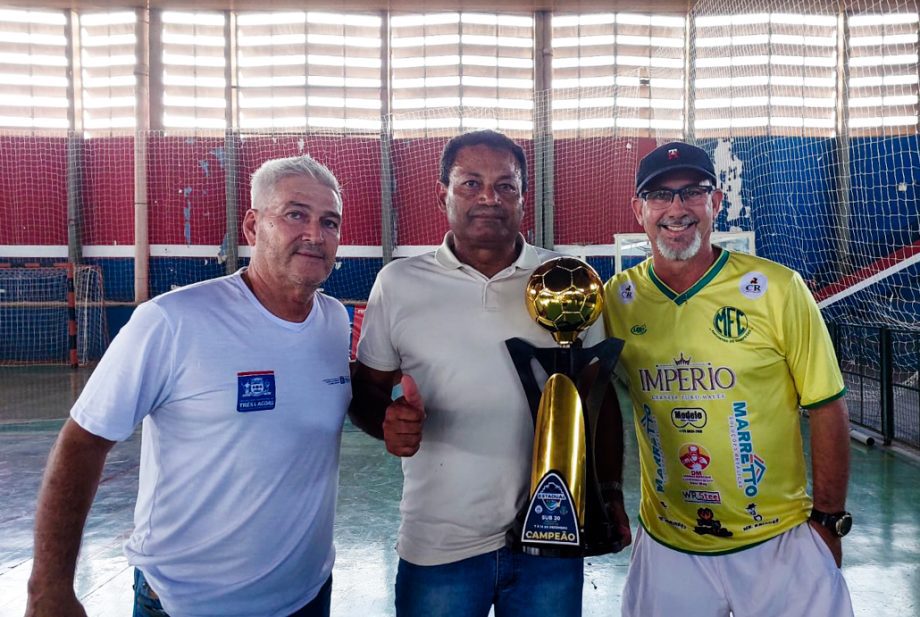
[(527, 259)]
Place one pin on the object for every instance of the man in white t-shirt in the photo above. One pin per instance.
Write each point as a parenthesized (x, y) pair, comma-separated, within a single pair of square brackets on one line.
[(242, 385), (440, 320)]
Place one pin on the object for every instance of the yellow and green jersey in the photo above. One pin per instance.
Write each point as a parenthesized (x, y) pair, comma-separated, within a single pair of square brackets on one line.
[(716, 375)]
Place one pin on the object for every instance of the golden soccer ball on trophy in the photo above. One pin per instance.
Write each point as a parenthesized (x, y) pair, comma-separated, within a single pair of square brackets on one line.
[(565, 295)]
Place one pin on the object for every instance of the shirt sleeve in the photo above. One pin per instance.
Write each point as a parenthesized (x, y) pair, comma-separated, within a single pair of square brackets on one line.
[(594, 334), (375, 345), (809, 351), (132, 379)]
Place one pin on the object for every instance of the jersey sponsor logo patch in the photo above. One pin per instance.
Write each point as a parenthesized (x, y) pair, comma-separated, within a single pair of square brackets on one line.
[(758, 518), (703, 497), (650, 425), (336, 381), (730, 324), (255, 391), (627, 292), (688, 380), (696, 459), (639, 329), (753, 285), (749, 468), (689, 419), (708, 525), (675, 524)]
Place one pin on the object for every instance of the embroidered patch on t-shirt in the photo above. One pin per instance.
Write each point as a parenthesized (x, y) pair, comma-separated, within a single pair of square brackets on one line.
[(255, 391)]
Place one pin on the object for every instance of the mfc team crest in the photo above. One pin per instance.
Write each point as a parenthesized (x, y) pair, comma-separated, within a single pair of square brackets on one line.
[(730, 324)]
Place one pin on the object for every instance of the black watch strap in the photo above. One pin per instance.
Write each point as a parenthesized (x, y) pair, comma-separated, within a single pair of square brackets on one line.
[(838, 523)]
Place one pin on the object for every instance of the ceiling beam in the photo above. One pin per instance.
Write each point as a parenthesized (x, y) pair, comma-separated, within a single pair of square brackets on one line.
[(414, 6)]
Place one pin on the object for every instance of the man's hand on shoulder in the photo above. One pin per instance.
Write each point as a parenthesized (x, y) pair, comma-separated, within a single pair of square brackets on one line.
[(405, 417)]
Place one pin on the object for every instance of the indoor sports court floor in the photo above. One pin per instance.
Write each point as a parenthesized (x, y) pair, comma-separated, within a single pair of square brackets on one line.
[(882, 554)]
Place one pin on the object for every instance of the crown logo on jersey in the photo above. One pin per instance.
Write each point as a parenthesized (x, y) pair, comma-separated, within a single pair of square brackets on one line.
[(682, 361)]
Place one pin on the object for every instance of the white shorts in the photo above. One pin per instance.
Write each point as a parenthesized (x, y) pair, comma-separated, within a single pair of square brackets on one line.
[(789, 575)]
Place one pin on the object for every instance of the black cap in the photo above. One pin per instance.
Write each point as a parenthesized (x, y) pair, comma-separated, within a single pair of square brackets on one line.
[(673, 157)]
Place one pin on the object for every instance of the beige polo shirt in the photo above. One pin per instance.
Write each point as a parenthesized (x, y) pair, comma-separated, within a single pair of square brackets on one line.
[(444, 323)]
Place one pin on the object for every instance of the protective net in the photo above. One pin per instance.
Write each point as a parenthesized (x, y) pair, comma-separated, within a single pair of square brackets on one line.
[(810, 115)]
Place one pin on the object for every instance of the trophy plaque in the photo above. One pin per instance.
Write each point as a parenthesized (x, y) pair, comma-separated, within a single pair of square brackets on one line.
[(567, 512)]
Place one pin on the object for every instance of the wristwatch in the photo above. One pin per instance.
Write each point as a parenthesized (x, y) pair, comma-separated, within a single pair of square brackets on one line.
[(839, 523)]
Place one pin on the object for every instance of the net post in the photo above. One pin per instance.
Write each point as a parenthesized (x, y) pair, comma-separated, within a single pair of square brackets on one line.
[(72, 318), (886, 384), (387, 231), (75, 163), (844, 184), (141, 239), (232, 146), (231, 185), (542, 131)]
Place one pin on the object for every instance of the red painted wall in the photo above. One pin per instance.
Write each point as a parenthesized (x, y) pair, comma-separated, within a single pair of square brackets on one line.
[(593, 185), (33, 190), (108, 191), (354, 161)]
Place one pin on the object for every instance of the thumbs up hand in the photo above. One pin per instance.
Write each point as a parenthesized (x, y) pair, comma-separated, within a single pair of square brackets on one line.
[(402, 425)]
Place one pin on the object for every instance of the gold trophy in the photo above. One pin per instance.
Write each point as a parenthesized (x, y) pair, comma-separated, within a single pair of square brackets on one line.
[(567, 513)]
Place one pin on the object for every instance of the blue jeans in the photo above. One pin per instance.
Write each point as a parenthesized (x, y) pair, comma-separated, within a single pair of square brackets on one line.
[(518, 585), (147, 603)]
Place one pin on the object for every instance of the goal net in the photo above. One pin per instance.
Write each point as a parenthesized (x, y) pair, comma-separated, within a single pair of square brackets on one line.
[(48, 318), (811, 114)]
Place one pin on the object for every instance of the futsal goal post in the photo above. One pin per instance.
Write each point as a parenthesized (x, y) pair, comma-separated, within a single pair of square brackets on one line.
[(51, 315)]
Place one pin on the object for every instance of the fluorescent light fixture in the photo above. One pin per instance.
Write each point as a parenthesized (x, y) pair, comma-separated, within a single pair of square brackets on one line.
[(31, 38), (271, 19), (432, 40), (430, 19), (347, 19), (175, 38), (492, 19), (55, 18), (593, 19), (190, 60), (200, 102), (173, 121), (192, 18), (106, 40)]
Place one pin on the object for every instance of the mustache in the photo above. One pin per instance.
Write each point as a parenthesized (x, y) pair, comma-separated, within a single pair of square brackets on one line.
[(679, 220), (316, 250), (487, 211)]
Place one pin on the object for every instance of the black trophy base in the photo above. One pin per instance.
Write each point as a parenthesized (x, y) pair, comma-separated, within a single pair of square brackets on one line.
[(599, 539)]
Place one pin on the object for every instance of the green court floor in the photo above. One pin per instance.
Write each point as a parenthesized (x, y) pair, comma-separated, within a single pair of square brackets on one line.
[(881, 555)]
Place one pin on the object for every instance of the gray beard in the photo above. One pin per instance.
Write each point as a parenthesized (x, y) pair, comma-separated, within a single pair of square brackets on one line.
[(680, 255)]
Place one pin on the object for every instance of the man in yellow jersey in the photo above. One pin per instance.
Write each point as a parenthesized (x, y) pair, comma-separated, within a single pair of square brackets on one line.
[(722, 349)]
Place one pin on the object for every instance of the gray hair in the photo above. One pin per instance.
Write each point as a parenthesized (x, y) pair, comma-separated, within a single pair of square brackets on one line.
[(271, 172)]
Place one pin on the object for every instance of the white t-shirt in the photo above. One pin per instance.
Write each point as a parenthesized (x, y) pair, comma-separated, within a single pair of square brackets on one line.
[(445, 324), (242, 416)]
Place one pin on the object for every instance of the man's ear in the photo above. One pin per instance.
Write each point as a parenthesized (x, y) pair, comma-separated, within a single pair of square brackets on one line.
[(717, 196), (249, 226), (441, 190), (636, 204)]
